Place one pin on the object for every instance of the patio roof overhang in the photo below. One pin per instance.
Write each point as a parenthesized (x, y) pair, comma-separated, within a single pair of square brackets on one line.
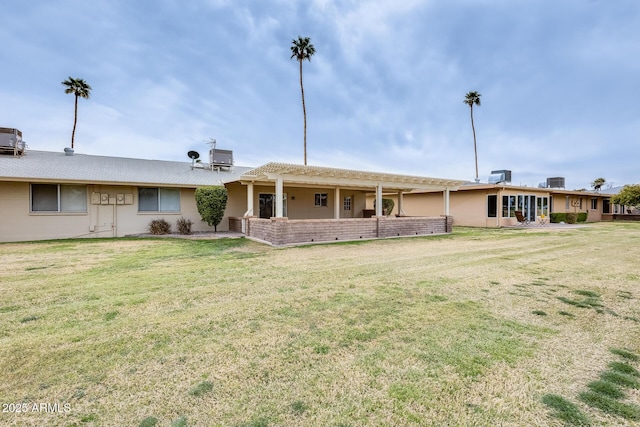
[(316, 175), (278, 174)]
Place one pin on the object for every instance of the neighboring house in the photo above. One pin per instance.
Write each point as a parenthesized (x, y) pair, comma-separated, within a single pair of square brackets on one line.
[(494, 205), (49, 195), (619, 211)]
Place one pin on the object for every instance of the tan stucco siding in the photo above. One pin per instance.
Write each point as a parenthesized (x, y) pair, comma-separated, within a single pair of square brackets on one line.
[(236, 200), (100, 220), (18, 224), (300, 201), (425, 204)]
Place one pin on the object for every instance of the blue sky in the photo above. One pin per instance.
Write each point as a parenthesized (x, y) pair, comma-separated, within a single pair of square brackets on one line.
[(559, 81)]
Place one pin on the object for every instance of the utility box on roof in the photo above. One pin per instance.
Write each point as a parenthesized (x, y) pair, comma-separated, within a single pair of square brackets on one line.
[(220, 157), (11, 141)]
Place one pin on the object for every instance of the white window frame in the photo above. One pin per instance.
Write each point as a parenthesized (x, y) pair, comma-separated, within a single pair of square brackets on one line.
[(346, 206)]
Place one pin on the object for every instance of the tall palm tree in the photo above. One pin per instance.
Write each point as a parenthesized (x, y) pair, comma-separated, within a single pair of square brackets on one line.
[(302, 49), (471, 99), (80, 89)]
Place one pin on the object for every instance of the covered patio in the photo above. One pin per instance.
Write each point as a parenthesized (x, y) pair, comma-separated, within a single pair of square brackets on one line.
[(295, 221)]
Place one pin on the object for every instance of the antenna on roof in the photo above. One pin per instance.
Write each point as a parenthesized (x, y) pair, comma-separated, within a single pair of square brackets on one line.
[(212, 151)]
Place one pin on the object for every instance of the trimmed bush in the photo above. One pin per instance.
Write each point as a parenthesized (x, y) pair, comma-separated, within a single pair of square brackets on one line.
[(211, 202), (159, 226), (184, 226), (557, 217)]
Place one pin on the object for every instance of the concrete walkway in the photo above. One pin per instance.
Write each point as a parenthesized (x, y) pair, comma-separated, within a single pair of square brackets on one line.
[(198, 235)]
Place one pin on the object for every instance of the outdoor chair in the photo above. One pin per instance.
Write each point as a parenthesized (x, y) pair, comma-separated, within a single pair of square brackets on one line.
[(522, 220)]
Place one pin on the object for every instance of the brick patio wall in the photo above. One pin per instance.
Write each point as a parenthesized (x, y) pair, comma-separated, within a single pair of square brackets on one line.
[(283, 231), (235, 224)]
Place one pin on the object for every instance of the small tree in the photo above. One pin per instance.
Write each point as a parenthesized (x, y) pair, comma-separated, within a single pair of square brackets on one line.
[(211, 202), (628, 196)]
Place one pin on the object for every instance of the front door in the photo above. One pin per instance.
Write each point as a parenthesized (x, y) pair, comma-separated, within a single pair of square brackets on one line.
[(267, 202), (347, 207)]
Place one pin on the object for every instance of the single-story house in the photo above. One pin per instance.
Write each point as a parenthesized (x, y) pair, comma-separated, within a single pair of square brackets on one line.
[(51, 195), (494, 205), (293, 203)]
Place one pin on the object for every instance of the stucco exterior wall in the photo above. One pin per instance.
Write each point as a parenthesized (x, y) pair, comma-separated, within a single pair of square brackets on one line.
[(301, 201), (469, 207), (108, 220)]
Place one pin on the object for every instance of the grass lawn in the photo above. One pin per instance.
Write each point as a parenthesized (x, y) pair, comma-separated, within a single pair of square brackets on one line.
[(483, 327)]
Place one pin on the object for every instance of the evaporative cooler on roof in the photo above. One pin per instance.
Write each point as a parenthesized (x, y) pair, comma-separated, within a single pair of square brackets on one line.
[(556, 182), (502, 175), (220, 158), (11, 141)]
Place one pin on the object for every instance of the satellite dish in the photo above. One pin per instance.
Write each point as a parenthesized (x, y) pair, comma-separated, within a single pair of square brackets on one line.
[(193, 155)]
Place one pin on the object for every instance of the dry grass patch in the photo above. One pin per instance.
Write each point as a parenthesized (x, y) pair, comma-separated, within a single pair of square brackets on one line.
[(444, 330)]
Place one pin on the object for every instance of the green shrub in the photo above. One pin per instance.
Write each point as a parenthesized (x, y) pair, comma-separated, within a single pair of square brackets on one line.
[(184, 226), (572, 218), (159, 226), (557, 217), (211, 202), (582, 217)]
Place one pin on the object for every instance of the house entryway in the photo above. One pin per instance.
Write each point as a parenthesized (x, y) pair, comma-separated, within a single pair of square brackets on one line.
[(267, 203)]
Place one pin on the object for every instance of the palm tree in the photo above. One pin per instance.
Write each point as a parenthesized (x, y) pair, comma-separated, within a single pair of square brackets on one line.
[(598, 183), (302, 49), (80, 89), (471, 99)]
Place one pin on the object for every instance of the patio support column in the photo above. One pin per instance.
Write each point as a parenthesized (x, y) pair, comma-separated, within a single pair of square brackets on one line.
[(279, 194), (400, 204), (336, 204), (249, 200), (379, 199), (446, 201)]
